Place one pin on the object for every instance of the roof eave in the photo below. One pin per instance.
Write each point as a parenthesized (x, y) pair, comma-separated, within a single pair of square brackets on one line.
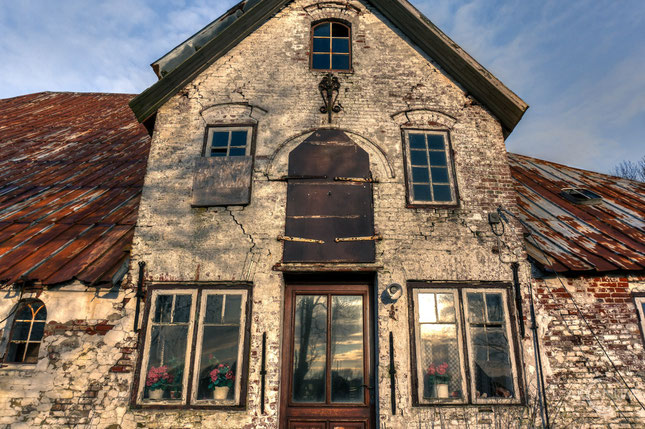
[(149, 101), (479, 82)]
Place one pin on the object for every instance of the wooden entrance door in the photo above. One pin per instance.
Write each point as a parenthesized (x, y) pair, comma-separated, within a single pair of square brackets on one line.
[(327, 358)]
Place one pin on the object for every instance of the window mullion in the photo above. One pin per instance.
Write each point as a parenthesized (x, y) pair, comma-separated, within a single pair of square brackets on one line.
[(466, 347)]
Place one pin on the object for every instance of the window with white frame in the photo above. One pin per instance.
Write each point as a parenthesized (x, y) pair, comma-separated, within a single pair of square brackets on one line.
[(194, 350), (429, 172), (463, 347)]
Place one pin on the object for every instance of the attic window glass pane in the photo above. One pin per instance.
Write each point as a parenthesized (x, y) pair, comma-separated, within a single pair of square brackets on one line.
[(331, 47), (429, 168), (225, 142)]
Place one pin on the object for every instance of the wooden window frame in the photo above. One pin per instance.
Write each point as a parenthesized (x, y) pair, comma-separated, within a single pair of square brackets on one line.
[(417, 350), (250, 138), (460, 290), (13, 322), (450, 165), (189, 392), (311, 47)]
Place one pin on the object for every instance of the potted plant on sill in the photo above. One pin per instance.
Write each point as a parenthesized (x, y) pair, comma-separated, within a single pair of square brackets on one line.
[(157, 381), (222, 379), (436, 383)]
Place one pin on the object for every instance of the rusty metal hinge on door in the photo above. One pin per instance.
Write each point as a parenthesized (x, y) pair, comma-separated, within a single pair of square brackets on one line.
[(355, 179), (299, 239)]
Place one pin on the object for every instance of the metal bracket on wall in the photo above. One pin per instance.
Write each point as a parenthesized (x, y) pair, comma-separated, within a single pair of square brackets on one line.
[(139, 295), (355, 179), (329, 88)]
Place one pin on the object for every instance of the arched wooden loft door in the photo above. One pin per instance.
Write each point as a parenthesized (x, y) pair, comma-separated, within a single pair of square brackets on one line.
[(330, 215)]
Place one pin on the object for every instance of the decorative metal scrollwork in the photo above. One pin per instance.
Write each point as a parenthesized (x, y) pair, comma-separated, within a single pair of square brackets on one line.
[(329, 88)]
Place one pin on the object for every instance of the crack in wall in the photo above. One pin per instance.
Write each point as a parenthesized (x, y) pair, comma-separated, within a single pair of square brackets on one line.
[(249, 260)]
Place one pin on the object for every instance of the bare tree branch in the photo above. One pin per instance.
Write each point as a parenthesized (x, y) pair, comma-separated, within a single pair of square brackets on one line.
[(631, 170)]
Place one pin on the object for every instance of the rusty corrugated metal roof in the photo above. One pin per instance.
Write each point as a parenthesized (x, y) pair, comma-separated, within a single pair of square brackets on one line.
[(609, 236), (71, 172)]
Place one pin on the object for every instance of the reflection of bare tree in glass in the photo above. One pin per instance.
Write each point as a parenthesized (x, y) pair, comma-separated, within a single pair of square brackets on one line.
[(347, 348), (307, 353)]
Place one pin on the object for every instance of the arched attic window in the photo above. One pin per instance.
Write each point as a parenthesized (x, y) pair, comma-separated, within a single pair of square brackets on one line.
[(331, 43), (27, 332)]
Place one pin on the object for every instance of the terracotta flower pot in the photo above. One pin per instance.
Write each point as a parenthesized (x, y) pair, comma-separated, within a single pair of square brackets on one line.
[(156, 394), (443, 391), (220, 393)]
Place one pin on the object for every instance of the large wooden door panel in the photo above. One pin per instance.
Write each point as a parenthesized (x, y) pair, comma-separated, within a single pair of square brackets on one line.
[(329, 201), (352, 425)]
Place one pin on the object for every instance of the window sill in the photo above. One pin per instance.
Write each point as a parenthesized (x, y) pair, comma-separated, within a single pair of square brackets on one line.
[(480, 407), (7, 366), (432, 206), (340, 72), (153, 407)]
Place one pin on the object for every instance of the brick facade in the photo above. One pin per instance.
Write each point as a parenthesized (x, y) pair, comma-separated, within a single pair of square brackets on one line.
[(86, 369)]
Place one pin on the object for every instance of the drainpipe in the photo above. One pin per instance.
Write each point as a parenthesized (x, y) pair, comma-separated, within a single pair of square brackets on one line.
[(544, 410)]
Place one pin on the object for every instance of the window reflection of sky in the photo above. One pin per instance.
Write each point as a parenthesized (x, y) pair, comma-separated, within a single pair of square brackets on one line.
[(345, 349)]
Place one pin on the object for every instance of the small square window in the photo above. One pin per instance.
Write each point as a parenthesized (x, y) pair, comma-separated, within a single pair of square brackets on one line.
[(464, 348), (216, 363), (430, 177), (228, 141)]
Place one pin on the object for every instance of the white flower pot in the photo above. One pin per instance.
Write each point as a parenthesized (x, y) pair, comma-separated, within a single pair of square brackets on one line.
[(220, 393), (443, 391), (156, 394)]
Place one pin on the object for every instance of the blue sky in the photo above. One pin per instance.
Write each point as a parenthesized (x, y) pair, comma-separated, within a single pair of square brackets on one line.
[(580, 64)]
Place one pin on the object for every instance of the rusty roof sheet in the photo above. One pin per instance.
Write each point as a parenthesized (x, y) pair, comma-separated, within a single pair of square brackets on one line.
[(71, 172), (606, 237)]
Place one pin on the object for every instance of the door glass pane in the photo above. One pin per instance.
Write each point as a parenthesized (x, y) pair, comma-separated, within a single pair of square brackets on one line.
[(490, 348), (310, 349), (167, 352), (220, 347), (439, 347), (347, 366)]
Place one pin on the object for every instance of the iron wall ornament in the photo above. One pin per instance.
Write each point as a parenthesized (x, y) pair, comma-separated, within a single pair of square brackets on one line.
[(329, 88)]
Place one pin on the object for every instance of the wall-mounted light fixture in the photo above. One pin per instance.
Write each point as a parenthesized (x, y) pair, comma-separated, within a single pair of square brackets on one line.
[(392, 293)]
